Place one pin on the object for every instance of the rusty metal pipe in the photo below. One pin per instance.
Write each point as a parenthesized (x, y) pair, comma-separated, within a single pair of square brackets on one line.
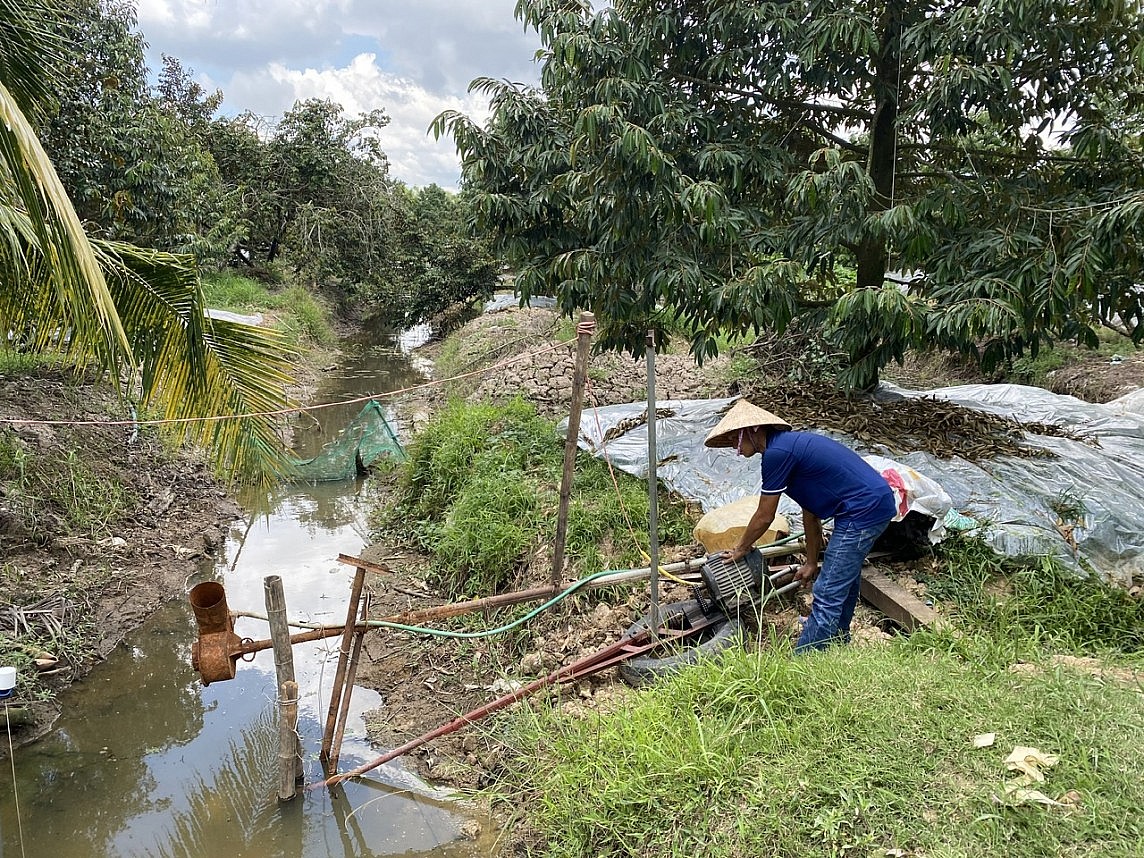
[(215, 654), (453, 609)]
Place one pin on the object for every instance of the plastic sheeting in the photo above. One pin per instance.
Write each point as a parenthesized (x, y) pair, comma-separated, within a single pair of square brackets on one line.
[(1012, 499)]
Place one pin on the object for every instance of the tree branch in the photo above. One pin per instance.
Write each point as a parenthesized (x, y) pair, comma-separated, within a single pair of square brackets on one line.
[(838, 141), (786, 104)]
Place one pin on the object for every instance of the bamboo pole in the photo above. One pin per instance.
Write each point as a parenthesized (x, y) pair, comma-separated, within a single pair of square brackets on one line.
[(343, 658), (579, 377), (351, 676), (288, 761), (290, 749)]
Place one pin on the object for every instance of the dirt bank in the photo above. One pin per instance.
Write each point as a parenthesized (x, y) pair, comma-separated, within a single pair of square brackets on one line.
[(99, 526)]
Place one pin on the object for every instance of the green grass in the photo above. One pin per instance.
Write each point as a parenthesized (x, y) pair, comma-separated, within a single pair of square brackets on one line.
[(13, 362), (853, 752), (297, 310), (1029, 607), (58, 495), (1036, 370), (860, 751), (480, 492)]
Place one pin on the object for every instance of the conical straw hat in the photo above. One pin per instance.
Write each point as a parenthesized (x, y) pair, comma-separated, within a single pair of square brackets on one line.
[(743, 415)]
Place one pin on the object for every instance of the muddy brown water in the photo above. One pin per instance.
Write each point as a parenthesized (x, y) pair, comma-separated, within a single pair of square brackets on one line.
[(148, 762)]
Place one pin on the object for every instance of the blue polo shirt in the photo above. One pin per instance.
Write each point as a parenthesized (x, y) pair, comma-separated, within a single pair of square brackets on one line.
[(827, 478)]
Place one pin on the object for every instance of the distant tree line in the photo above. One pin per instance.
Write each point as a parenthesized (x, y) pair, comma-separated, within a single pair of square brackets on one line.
[(307, 195)]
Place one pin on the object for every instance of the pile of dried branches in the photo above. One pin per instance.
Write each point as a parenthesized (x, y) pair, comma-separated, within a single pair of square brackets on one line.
[(943, 429)]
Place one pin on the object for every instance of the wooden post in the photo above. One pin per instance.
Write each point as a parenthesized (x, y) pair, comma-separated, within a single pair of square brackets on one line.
[(579, 379), (652, 485), (290, 749), (351, 677), (288, 769), (343, 660)]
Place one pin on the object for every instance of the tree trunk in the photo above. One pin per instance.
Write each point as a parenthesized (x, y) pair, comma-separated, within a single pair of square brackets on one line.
[(872, 255)]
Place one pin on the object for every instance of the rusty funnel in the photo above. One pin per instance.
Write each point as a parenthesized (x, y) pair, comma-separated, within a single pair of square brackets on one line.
[(215, 654)]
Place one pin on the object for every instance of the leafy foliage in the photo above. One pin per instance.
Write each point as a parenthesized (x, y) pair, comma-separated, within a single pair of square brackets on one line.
[(133, 165), (480, 489), (717, 163), (436, 259), (137, 313)]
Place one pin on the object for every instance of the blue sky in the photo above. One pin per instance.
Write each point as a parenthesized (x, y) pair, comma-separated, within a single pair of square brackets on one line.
[(411, 58)]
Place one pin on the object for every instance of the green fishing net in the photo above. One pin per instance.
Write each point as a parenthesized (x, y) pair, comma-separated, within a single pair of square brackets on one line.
[(368, 437)]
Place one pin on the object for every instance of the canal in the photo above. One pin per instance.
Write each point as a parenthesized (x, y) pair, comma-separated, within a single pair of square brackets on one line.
[(147, 762)]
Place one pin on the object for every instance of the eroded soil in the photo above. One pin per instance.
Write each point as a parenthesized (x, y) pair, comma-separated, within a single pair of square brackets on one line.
[(73, 595)]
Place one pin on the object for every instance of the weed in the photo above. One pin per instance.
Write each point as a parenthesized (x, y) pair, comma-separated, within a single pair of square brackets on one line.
[(1068, 506), (852, 752), (14, 362), (1030, 605), (480, 492), (565, 330), (300, 312), (235, 293), (66, 495), (741, 366), (305, 316)]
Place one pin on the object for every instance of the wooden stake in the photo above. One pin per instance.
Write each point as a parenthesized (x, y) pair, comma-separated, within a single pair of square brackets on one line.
[(290, 747), (579, 379), (343, 659), (351, 677), (288, 768)]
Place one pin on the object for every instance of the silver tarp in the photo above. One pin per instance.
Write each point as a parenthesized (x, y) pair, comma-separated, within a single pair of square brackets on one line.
[(1014, 501)]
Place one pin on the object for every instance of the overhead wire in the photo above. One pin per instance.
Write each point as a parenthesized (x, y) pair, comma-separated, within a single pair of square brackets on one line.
[(281, 412)]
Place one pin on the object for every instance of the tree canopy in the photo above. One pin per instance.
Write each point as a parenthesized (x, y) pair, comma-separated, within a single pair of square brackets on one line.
[(718, 165), (136, 312)]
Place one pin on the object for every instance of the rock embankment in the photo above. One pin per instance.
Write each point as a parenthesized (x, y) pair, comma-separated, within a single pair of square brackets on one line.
[(524, 349)]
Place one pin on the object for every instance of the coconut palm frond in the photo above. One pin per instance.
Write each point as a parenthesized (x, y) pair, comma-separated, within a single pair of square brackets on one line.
[(191, 366), (32, 48), (48, 261)]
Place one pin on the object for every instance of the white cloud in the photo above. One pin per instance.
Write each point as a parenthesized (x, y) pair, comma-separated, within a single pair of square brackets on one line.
[(415, 157), (411, 58)]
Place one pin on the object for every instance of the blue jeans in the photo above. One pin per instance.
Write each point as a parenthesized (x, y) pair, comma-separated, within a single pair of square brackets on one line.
[(836, 588)]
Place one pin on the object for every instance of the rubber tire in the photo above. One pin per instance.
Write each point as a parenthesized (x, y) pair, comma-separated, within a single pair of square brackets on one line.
[(645, 669)]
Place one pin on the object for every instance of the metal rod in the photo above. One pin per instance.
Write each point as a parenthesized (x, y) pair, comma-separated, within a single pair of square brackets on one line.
[(343, 657), (457, 609), (652, 483), (625, 647), (351, 676), (579, 375)]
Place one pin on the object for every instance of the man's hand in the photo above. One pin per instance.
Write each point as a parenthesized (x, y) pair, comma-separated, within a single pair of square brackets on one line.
[(736, 553), (806, 574)]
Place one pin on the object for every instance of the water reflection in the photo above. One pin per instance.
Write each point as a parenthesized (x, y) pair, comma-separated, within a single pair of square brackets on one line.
[(147, 762)]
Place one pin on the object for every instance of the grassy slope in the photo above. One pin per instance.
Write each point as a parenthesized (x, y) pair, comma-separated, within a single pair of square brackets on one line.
[(851, 752), (861, 751)]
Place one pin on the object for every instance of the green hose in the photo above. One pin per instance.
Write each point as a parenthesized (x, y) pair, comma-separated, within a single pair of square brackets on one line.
[(444, 633), (559, 597)]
